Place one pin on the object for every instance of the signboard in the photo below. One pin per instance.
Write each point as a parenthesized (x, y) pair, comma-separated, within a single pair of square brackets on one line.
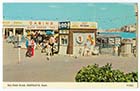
[(81, 39), (83, 25), (15, 23), (6, 23), (32, 24), (43, 24), (64, 25), (18, 23)]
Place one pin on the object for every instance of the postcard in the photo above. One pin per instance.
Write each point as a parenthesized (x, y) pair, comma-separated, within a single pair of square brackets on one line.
[(70, 45)]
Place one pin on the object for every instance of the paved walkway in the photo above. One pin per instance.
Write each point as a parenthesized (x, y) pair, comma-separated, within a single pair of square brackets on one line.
[(58, 69)]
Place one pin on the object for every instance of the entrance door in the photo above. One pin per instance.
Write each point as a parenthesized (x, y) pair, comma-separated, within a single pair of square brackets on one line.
[(8, 31), (63, 39), (19, 31)]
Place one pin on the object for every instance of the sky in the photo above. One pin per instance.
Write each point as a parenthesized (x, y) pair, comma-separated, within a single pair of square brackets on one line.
[(107, 15)]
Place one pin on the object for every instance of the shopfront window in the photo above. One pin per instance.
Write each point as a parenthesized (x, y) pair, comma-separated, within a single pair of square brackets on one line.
[(8, 31), (64, 40), (64, 31), (19, 31)]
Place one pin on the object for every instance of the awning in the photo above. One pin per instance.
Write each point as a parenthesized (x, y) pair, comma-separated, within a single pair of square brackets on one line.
[(49, 32)]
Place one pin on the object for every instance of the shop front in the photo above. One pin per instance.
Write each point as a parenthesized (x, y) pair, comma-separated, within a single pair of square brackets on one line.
[(81, 39), (76, 35), (64, 28), (8, 32), (82, 35), (28, 28), (11, 28), (44, 30), (109, 44), (42, 26)]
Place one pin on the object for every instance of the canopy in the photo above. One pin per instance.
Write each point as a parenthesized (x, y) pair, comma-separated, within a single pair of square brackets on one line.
[(49, 32)]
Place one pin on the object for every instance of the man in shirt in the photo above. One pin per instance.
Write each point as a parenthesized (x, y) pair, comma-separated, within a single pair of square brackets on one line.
[(51, 43)]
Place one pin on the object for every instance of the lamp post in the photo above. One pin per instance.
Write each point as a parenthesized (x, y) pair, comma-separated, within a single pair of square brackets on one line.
[(19, 56)]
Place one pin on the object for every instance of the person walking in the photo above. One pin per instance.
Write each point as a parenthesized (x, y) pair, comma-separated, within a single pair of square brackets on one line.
[(29, 47), (27, 43), (88, 47), (51, 43), (48, 50), (33, 46)]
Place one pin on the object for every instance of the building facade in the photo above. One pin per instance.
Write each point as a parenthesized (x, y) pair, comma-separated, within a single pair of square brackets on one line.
[(76, 35), (129, 28), (23, 27), (71, 35)]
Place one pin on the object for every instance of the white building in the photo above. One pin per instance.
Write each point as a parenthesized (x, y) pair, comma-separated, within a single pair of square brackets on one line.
[(22, 27), (129, 28)]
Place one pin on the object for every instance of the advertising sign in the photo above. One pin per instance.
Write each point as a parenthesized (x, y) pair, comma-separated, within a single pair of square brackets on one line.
[(64, 25), (83, 25), (6, 23), (16, 23), (83, 38), (43, 24), (32, 24)]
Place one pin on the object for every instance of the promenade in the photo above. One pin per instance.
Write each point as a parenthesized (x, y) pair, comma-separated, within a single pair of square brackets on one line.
[(60, 68)]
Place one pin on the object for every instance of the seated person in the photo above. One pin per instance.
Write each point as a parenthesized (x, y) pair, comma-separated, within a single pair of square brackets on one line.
[(86, 51)]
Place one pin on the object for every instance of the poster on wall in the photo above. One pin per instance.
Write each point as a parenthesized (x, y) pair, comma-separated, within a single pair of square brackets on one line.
[(80, 39), (64, 25)]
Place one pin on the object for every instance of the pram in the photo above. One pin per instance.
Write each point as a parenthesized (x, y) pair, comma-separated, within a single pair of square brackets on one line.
[(29, 51)]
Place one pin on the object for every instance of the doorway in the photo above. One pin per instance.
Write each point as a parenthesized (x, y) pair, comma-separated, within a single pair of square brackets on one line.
[(19, 31), (8, 31)]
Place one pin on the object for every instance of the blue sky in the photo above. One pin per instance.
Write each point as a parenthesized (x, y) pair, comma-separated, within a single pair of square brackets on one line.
[(107, 15)]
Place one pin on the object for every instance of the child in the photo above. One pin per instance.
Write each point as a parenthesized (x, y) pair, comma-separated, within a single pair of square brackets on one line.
[(48, 51), (43, 44), (33, 46)]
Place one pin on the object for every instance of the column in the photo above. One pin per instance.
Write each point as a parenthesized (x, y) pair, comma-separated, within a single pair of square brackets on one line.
[(24, 32), (14, 31)]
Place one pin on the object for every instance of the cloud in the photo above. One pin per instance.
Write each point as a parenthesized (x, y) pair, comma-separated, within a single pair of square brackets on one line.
[(53, 6), (103, 8)]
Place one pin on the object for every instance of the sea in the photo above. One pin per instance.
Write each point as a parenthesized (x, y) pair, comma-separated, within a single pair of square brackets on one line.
[(124, 35)]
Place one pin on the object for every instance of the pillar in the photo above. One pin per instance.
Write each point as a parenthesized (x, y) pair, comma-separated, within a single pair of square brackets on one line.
[(14, 31), (24, 32)]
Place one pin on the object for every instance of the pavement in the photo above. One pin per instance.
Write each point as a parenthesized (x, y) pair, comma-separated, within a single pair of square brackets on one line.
[(60, 68)]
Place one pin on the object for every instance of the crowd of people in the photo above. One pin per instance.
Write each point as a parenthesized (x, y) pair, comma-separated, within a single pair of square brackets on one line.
[(46, 44), (32, 41)]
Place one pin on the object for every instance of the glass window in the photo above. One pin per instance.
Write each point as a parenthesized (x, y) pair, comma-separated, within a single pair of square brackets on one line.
[(64, 40), (64, 31)]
